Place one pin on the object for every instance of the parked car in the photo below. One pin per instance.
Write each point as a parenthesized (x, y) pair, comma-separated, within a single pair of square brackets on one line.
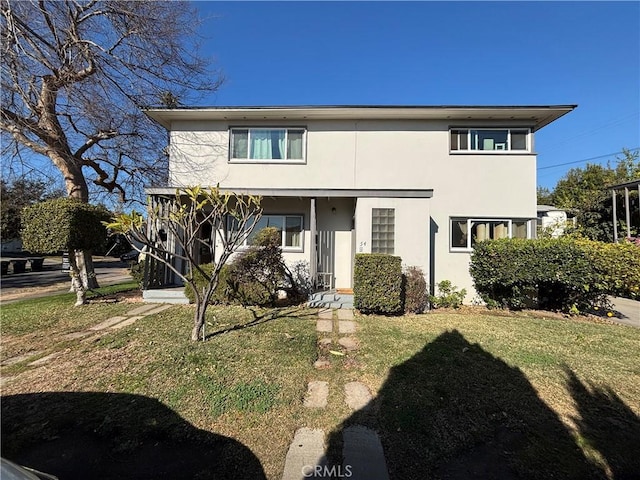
[(131, 256), (13, 471)]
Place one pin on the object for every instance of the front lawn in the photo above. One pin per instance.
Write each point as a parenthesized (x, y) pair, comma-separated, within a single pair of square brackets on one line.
[(501, 396)]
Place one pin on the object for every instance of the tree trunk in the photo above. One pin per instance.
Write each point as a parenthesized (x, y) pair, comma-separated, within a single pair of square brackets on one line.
[(198, 321), (84, 261), (76, 280), (76, 186)]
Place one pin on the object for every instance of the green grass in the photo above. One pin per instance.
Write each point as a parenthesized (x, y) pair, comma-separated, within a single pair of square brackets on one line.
[(520, 396)]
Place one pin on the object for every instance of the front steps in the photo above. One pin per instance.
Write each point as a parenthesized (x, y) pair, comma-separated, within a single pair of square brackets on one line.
[(330, 299), (165, 295), (175, 295)]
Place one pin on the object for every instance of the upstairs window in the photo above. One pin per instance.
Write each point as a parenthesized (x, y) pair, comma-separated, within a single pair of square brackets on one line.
[(263, 144), (490, 139)]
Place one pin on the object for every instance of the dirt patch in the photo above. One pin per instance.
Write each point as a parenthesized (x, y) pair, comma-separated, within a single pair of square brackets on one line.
[(131, 296)]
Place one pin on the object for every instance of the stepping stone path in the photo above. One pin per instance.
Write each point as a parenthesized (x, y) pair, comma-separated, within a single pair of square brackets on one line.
[(317, 394), (305, 453), (92, 333), (356, 395), (362, 451)]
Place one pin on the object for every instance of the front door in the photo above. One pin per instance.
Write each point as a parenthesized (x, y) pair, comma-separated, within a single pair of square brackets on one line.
[(325, 242)]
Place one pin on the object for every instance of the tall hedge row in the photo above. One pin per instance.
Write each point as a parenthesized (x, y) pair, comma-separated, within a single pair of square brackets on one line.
[(63, 223), (377, 283), (554, 274)]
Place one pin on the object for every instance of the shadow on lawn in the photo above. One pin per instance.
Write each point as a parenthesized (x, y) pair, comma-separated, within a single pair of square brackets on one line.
[(608, 425), (266, 316), (454, 411), (114, 436)]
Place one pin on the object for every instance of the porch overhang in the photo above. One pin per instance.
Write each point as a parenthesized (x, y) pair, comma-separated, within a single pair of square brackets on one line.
[(313, 192)]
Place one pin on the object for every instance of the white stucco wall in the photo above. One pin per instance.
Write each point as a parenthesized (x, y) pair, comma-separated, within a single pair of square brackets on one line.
[(384, 154)]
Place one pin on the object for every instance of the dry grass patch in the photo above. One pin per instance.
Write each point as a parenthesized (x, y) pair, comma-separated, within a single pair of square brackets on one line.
[(508, 396)]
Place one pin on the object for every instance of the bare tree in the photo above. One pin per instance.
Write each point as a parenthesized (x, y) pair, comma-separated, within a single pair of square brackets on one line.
[(174, 234), (75, 75)]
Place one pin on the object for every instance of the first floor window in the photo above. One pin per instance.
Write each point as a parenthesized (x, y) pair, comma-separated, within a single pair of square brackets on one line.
[(465, 232), (289, 226), (267, 144), (383, 230)]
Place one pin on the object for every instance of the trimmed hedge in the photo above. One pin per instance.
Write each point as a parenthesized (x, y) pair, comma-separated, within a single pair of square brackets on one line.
[(617, 265), (62, 224), (555, 274), (377, 283)]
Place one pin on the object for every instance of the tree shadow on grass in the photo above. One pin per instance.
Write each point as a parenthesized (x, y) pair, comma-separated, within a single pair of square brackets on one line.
[(266, 316), (607, 424), (116, 436), (454, 411)]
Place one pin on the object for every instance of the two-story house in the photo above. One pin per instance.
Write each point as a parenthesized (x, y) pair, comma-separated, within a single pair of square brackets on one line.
[(421, 182)]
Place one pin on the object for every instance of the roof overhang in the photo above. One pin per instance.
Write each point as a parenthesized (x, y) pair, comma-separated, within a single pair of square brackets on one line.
[(311, 192), (536, 116), (619, 186)]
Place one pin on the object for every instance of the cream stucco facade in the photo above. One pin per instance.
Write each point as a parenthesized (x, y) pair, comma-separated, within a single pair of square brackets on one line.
[(357, 159)]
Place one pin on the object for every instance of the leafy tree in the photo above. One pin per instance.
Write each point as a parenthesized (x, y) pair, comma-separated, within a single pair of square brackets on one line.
[(65, 225), (180, 229), (544, 196), (75, 75), (584, 191), (15, 196)]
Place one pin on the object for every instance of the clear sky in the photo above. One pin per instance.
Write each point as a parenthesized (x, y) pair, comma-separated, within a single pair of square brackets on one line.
[(442, 53)]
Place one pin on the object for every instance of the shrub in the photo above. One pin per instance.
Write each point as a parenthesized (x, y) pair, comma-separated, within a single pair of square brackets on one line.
[(617, 266), (447, 296), (259, 271), (63, 223), (201, 282), (556, 274), (415, 290), (377, 283), (136, 270), (222, 293)]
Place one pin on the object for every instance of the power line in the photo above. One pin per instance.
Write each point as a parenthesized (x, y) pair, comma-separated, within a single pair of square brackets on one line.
[(587, 159), (596, 129)]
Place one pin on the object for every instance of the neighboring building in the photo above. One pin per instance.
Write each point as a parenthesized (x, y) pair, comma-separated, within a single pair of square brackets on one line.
[(423, 183), (553, 221)]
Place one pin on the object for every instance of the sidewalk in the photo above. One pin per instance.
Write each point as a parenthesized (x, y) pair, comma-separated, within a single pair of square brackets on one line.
[(628, 310), (53, 281)]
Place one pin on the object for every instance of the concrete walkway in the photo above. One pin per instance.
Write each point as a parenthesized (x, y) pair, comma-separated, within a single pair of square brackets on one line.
[(362, 452), (628, 311), (89, 334)]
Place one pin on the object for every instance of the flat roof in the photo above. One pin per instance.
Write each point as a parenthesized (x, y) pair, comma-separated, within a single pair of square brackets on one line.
[(632, 183), (536, 116)]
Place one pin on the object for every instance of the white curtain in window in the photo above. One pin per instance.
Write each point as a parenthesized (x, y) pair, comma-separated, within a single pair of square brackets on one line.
[(261, 144)]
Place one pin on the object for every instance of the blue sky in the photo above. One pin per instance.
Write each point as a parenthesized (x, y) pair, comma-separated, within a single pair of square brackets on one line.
[(442, 53)]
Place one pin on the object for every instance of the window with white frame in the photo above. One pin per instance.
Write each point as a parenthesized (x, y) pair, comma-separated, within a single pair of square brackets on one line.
[(290, 227), (465, 232), (490, 139), (264, 144), (383, 230)]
